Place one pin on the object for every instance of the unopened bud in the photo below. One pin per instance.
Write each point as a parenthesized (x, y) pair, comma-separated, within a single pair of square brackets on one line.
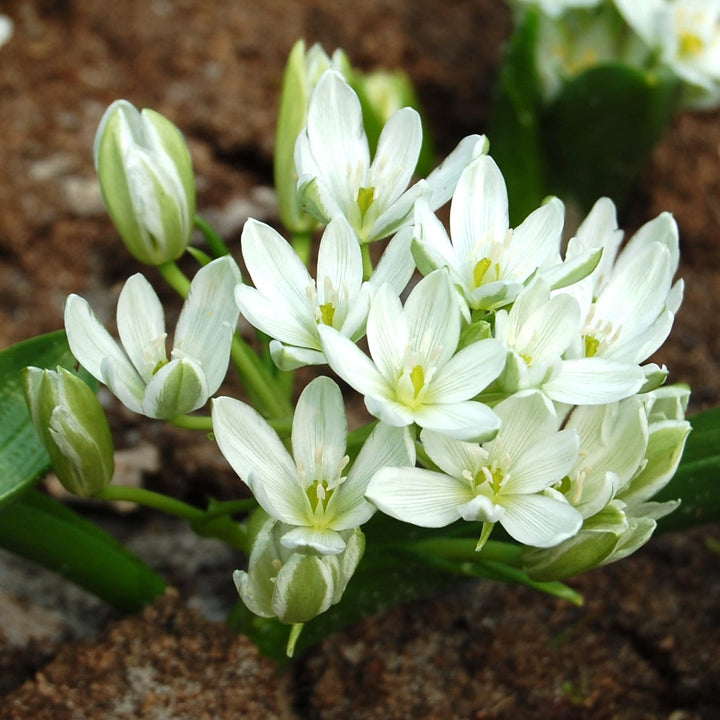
[(72, 425)]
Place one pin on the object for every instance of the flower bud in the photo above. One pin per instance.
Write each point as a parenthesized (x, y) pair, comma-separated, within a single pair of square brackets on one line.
[(72, 425), (302, 72), (147, 181), (291, 585)]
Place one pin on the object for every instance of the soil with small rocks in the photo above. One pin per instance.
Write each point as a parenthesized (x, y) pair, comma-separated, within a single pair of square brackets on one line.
[(644, 645)]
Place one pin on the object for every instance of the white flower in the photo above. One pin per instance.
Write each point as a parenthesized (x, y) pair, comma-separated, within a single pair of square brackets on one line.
[(310, 490), (288, 305), (489, 262), (538, 330), (686, 35), (628, 303), (336, 176), (507, 480), (7, 28), (139, 373), (416, 374)]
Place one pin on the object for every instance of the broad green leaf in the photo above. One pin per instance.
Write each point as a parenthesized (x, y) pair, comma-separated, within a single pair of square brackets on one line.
[(600, 131), (23, 459), (43, 530), (515, 131)]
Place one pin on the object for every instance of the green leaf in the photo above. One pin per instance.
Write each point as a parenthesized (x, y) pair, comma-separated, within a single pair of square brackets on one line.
[(23, 459), (600, 131), (697, 480), (44, 531), (515, 132)]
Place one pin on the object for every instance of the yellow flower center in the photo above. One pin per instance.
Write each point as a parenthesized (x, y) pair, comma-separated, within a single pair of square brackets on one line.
[(365, 199), (690, 44), (327, 314), (591, 345)]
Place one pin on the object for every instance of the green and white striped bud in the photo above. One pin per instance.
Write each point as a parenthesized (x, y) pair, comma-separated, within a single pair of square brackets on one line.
[(147, 181), (72, 425), (290, 585), (303, 70)]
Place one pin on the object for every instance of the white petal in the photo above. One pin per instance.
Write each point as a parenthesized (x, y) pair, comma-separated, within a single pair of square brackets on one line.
[(468, 372), (396, 266), (396, 156), (539, 520), (337, 138), (257, 455), (536, 240), (386, 446), (593, 381), (277, 319), (397, 215), (319, 430), (479, 210), (351, 364), (208, 318), (444, 178), (276, 270), (339, 259), (131, 396), (387, 333), (323, 540), (141, 326), (291, 357), (543, 464), (91, 344), (433, 318), (418, 496), (389, 411), (463, 420), (453, 457)]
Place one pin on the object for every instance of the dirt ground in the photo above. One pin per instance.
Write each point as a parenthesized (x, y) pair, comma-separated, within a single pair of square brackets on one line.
[(645, 645)]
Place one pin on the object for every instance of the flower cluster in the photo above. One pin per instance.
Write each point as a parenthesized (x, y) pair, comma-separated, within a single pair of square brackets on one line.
[(507, 381)]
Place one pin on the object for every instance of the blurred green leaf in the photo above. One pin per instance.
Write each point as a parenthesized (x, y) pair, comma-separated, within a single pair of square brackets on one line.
[(44, 531)]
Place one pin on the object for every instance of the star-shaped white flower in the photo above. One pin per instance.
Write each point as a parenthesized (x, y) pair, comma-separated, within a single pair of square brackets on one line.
[(489, 263), (628, 303), (288, 304), (336, 176), (538, 331), (312, 490), (508, 480), (417, 374), (139, 372)]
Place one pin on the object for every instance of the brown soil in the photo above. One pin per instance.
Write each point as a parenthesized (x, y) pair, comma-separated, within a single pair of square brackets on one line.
[(645, 644)]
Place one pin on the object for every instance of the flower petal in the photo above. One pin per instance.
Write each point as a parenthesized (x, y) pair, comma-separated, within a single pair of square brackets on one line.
[(387, 333), (319, 430), (593, 381), (141, 326), (418, 496), (257, 455), (539, 520), (324, 540), (176, 388), (463, 420), (91, 344), (208, 318)]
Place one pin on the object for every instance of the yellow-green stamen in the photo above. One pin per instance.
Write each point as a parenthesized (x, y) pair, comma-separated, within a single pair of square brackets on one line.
[(365, 199), (480, 269), (161, 363), (690, 44), (417, 376), (591, 345), (327, 314)]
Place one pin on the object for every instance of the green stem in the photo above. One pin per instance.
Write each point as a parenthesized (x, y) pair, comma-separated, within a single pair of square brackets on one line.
[(367, 261), (258, 381), (302, 244), (151, 499), (214, 241), (175, 277), (193, 422), (464, 549), (214, 523)]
